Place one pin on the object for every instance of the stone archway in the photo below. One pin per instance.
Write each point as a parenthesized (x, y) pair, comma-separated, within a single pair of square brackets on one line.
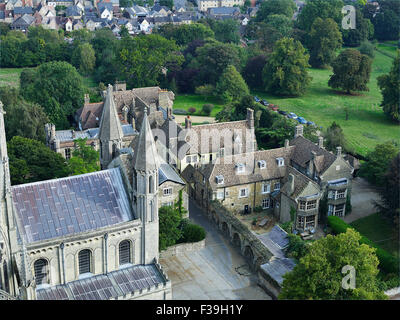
[(225, 228), (236, 240), (249, 255)]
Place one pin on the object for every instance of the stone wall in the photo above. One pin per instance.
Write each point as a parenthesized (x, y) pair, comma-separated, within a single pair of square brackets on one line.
[(182, 248)]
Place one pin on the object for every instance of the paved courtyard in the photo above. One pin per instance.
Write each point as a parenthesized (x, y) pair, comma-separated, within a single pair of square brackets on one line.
[(362, 196), (217, 271)]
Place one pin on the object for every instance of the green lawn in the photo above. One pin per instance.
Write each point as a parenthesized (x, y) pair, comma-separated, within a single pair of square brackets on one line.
[(380, 231), (387, 48), (185, 101), (367, 125), (10, 76)]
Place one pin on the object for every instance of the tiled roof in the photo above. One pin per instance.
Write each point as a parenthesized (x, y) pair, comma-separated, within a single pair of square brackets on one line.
[(61, 207), (300, 182), (227, 167), (93, 133), (302, 154), (106, 286)]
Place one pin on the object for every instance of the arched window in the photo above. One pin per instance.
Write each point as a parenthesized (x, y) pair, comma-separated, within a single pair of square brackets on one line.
[(125, 252), (85, 261), (41, 271), (5, 272), (151, 185)]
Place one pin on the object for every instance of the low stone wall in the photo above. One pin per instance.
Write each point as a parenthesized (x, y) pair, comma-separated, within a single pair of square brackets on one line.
[(268, 284), (182, 248)]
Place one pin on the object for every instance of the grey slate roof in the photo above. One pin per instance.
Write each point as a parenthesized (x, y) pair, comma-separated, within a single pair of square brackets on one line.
[(106, 286), (275, 240), (224, 10), (93, 133), (26, 20), (23, 10), (277, 267), (110, 124), (146, 156), (73, 11), (61, 207), (167, 173)]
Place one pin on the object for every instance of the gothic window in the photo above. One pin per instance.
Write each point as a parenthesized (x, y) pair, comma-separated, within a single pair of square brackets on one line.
[(41, 267), (151, 185), (85, 257), (125, 252), (67, 153), (5, 272), (114, 151)]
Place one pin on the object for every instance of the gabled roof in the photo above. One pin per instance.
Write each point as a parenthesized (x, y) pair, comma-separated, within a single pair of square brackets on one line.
[(68, 206), (110, 124), (224, 10), (23, 10), (167, 173), (25, 20), (302, 154), (301, 181)]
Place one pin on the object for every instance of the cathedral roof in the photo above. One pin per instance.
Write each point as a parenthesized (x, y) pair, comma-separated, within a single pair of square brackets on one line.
[(110, 124), (108, 286), (66, 206)]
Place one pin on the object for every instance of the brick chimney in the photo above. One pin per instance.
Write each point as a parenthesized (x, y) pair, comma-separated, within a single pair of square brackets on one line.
[(188, 123), (286, 143), (320, 142), (298, 131), (250, 117), (291, 183), (338, 151), (87, 98)]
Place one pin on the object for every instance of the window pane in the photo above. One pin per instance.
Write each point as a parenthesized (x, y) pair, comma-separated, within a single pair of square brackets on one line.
[(84, 261), (124, 252), (40, 268)]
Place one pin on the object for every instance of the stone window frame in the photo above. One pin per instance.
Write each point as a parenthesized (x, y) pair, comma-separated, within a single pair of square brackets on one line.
[(246, 191), (47, 271), (268, 189), (167, 192), (277, 186), (131, 251), (267, 203)]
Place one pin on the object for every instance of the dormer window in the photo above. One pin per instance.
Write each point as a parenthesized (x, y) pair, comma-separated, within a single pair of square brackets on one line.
[(240, 168), (280, 161), (219, 179), (262, 164)]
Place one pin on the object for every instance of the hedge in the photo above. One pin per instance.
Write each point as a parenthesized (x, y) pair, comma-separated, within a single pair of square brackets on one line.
[(388, 262), (192, 232)]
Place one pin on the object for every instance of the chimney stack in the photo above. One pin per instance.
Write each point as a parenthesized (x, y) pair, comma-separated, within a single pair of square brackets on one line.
[(338, 151), (188, 123), (291, 184), (320, 142), (87, 98), (73, 134), (298, 131), (286, 143), (250, 117)]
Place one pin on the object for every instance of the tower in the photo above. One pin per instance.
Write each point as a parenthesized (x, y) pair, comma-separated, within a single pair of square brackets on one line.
[(110, 133), (145, 187)]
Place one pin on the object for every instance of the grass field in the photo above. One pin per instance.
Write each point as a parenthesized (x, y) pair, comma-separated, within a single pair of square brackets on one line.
[(388, 48), (10, 76), (379, 230), (185, 101), (367, 125)]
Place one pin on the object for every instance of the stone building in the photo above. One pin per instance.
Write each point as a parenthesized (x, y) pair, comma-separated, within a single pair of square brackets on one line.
[(288, 182), (85, 236)]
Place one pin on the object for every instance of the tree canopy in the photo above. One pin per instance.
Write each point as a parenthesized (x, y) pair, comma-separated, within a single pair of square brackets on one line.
[(231, 85), (390, 88), (270, 7), (169, 221), (185, 33), (323, 41), (32, 160), (83, 58), (85, 159), (56, 86), (285, 72), (351, 71), (318, 275)]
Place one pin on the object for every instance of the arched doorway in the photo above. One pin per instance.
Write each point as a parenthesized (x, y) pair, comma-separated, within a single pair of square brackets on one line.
[(236, 240), (248, 254), (225, 229)]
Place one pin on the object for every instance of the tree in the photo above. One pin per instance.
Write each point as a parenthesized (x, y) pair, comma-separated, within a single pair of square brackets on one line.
[(323, 41), (318, 275), (334, 137), (141, 59), (367, 48), (126, 3), (252, 73), (323, 9), (378, 162), (169, 221), (231, 85), (225, 30), (31, 161), (270, 7), (386, 25), (124, 32), (363, 31), (285, 72), (185, 33), (84, 59), (56, 86), (4, 28), (390, 200), (390, 88), (167, 3), (22, 118), (351, 71), (84, 158)]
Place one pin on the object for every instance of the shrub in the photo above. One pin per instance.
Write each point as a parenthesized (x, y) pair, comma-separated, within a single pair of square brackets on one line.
[(192, 110), (258, 209), (192, 232), (206, 90), (179, 111), (207, 108), (297, 247), (387, 262)]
